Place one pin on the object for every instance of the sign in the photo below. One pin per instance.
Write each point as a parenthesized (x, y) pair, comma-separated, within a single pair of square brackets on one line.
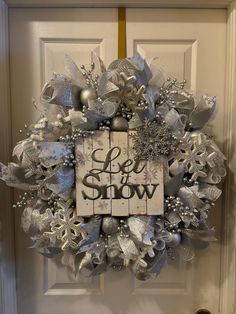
[(109, 180)]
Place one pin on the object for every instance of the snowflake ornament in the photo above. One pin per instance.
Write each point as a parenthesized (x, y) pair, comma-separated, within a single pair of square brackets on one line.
[(152, 140), (192, 153), (66, 226)]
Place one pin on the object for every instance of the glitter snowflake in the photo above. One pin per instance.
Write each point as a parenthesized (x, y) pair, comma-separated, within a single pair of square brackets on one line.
[(152, 140), (192, 153), (66, 226)]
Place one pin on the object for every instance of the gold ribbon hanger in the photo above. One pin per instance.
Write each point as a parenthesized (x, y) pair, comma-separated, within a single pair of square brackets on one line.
[(121, 33)]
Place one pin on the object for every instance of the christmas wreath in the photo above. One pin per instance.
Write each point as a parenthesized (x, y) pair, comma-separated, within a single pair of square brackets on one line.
[(165, 125)]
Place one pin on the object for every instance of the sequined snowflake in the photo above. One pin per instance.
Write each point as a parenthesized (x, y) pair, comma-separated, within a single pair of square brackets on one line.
[(152, 140), (66, 226)]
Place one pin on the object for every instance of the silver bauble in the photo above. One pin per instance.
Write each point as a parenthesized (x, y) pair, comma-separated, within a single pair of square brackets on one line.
[(174, 239), (160, 244), (110, 225), (86, 95), (119, 124)]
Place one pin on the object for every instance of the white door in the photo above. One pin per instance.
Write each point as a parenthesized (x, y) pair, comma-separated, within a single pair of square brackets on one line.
[(190, 44)]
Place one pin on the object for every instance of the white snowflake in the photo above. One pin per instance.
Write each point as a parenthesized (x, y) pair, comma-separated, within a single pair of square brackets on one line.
[(66, 226), (192, 153)]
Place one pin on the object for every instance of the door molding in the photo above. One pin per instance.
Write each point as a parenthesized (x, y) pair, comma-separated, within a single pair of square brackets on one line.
[(228, 256), (124, 3), (7, 258)]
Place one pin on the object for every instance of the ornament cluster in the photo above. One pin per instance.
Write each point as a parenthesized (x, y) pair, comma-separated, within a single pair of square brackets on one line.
[(128, 95)]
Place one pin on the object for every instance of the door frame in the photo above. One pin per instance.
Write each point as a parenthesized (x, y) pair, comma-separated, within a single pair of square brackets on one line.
[(228, 256)]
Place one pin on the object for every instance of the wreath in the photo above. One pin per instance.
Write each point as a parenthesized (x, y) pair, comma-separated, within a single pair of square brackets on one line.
[(169, 127)]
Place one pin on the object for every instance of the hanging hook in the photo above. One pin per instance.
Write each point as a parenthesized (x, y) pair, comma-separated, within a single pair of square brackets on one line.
[(121, 33)]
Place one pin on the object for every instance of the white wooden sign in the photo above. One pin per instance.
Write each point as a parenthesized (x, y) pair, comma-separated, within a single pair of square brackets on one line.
[(110, 181)]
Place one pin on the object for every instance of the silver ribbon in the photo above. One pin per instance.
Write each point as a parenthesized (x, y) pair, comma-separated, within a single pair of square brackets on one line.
[(52, 153), (60, 91), (202, 112)]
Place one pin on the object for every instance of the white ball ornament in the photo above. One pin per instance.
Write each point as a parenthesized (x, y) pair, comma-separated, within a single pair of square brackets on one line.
[(86, 95)]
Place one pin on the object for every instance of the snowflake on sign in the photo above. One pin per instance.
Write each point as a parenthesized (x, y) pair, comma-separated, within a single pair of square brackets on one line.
[(103, 205), (81, 158), (150, 174)]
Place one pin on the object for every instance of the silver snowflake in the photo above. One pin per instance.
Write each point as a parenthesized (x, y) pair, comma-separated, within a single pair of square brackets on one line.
[(192, 153), (152, 140), (66, 226)]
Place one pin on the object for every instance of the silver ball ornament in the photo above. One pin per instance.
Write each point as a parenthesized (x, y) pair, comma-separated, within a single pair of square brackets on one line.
[(113, 252), (160, 244), (174, 239), (119, 124), (86, 95), (110, 225)]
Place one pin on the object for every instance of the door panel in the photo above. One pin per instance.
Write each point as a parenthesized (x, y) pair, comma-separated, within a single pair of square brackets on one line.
[(39, 40), (190, 44)]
